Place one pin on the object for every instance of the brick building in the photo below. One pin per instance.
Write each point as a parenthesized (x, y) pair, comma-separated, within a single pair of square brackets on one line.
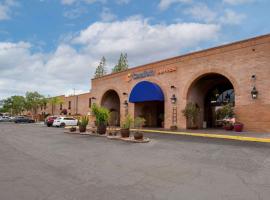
[(159, 91)]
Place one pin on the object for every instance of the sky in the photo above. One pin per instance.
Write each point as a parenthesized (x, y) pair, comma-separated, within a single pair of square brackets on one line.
[(54, 46)]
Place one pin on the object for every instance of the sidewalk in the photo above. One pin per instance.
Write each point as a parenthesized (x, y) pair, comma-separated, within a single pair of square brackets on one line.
[(217, 133)]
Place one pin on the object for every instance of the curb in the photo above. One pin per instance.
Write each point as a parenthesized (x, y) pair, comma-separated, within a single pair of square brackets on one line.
[(218, 136)]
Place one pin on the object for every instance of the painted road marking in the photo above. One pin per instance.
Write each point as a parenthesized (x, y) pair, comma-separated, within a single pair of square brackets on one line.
[(206, 135)]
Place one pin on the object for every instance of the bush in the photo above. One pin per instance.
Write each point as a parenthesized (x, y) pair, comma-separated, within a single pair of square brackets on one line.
[(191, 112), (139, 122), (225, 112), (84, 121), (127, 122), (102, 114)]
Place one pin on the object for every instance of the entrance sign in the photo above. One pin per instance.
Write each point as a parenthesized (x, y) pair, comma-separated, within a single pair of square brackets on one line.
[(143, 74), (148, 73)]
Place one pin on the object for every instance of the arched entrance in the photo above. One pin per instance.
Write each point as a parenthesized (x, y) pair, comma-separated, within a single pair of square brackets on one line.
[(111, 101), (210, 92), (149, 103)]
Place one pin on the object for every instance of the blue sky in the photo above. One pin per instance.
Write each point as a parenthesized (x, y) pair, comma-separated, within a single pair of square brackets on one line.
[(53, 46)]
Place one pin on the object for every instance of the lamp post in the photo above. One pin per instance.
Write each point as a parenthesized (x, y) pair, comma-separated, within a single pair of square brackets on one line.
[(174, 112)]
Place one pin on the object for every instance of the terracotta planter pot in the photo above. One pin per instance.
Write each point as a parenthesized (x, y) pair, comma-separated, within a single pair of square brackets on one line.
[(138, 135), (228, 127), (82, 129), (72, 129), (125, 132), (101, 129), (238, 127)]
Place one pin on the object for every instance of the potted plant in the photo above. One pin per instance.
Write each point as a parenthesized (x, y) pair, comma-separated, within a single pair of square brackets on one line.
[(226, 113), (191, 112), (228, 125), (138, 123), (83, 122), (238, 126), (125, 126), (102, 117), (72, 129)]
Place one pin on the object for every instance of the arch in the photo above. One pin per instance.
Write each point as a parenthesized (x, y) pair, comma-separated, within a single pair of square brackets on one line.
[(210, 91), (111, 101), (204, 72), (146, 91), (148, 99)]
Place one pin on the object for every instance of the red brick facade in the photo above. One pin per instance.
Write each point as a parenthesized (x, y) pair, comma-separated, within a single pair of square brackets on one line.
[(237, 62), (180, 76)]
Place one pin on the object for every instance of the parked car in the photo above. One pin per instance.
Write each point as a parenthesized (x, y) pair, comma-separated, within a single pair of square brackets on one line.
[(23, 119), (5, 119), (49, 120), (65, 121)]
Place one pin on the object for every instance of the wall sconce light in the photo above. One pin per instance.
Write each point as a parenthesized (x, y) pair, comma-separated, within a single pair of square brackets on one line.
[(173, 99), (254, 93), (125, 103), (253, 77)]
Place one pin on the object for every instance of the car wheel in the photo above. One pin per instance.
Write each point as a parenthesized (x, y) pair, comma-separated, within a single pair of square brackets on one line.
[(62, 125)]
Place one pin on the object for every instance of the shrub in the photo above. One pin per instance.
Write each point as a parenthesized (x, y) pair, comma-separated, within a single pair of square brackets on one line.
[(191, 112), (127, 122), (139, 122), (225, 112), (84, 121), (102, 114)]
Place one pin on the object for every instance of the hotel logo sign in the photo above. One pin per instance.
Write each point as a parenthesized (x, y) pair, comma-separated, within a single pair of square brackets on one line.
[(148, 73)]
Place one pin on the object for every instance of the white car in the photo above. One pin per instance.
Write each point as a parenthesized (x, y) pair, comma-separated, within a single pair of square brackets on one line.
[(65, 121)]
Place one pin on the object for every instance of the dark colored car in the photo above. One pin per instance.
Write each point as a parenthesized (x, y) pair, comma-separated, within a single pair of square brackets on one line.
[(49, 120), (23, 119)]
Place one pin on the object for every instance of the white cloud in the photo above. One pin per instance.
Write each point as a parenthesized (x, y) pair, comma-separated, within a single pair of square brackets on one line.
[(232, 18), (202, 12), (107, 16), (68, 67), (237, 2), (6, 8), (165, 4)]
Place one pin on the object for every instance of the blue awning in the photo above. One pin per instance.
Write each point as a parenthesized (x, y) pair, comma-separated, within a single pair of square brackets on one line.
[(146, 91)]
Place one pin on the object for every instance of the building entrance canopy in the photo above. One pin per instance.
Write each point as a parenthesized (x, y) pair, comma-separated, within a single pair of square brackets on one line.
[(146, 91)]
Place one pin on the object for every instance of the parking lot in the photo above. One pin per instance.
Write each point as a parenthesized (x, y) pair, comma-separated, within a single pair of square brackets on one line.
[(41, 163)]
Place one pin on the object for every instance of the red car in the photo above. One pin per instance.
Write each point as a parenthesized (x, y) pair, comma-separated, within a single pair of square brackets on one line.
[(49, 120)]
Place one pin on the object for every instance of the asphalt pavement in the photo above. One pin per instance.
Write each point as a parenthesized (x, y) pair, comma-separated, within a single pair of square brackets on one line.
[(41, 163)]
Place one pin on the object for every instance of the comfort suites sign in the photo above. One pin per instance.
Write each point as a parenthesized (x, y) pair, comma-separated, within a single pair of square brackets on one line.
[(148, 73)]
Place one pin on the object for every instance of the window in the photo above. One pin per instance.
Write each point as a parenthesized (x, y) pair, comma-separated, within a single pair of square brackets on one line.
[(90, 103), (69, 105), (61, 106)]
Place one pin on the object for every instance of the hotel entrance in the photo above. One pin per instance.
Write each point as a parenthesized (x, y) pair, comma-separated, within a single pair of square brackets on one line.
[(211, 92), (149, 103)]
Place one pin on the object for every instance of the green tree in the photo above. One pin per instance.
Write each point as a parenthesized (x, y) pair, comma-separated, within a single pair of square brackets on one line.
[(33, 100), (54, 101), (122, 64), (14, 105), (101, 70)]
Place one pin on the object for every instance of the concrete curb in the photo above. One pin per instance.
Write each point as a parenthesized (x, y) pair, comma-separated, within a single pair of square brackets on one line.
[(218, 136)]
